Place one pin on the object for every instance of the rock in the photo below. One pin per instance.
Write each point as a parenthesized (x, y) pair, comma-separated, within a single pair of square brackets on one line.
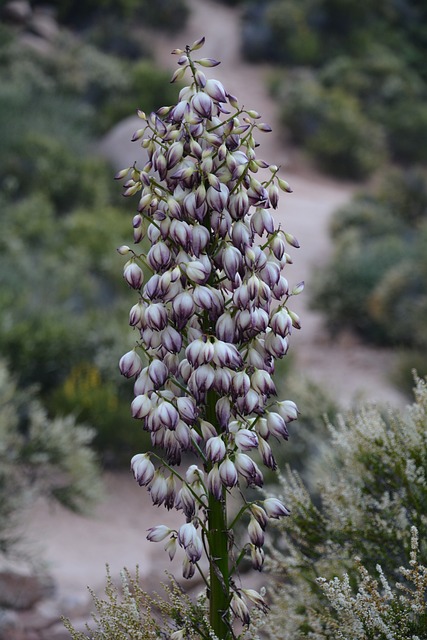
[(17, 11), (20, 591)]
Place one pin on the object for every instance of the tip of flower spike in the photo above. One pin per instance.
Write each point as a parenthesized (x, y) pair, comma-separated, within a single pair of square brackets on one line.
[(198, 44)]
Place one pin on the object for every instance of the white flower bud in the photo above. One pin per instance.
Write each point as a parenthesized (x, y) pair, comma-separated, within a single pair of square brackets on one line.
[(159, 533), (216, 449), (133, 275), (228, 473), (130, 364), (142, 468), (274, 508)]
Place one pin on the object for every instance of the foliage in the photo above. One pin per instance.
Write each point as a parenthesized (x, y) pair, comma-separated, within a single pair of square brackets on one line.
[(148, 88), (373, 500), (60, 213), (359, 88), (314, 116), (375, 281), (39, 456), (165, 14), (130, 613), (96, 399)]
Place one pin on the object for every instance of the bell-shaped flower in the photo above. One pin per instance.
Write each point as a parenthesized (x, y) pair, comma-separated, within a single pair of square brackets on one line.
[(194, 550), (256, 598), (231, 261), (197, 272), (274, 508), (251, 401), (248, 469), (183, 307), (202, 104), (246, 440), (257, 557), (225, 327), (226, 355), (214, 482), (215, 90), (201, 380), (288, 410), (167, 415), (239, 608), (228, 473), (143, 383), (188, 568), (199, 352), (187, 534), (158, 372), (133, 275), (276, 345), (130, 364), (260, 515), (142, 468), (266, 454), (276, 425), (156, 316), (281, 322), (159, 256), (256, 534), (141, 406), (222, 382), (223, 411), (187, 409), (217, 196), (215, 449), (159, 533), (241, 383), (158, 488), (171, 340), (170, 547), (262, 382)]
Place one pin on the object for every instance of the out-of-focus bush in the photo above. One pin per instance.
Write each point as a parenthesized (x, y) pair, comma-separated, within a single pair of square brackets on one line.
[(148, 89), (354, 73), (376, 280), (164, 14), (39, 456), (61, 294), (95, 399), (372, 480), (331, 126)]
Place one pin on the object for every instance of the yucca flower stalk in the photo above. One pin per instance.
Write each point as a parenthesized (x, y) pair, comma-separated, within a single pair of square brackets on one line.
[(211, 318)]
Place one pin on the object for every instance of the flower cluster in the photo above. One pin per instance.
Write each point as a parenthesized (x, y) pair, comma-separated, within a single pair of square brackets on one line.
[(213, 313)]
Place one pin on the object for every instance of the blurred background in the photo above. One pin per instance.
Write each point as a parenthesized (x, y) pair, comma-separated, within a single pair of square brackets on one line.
[(344, 85)]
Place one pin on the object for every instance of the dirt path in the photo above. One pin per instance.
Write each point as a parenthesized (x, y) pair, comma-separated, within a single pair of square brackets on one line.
[(78, 548)]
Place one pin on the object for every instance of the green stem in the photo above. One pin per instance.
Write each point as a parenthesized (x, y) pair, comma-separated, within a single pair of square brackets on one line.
[(219, 571), (219, 597)]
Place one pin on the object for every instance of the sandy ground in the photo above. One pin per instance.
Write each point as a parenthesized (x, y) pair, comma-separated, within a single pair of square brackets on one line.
[(77, 548)]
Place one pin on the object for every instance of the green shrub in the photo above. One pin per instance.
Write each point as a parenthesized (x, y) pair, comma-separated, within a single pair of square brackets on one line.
[(165, 14), (39, 456), (375, 281), (332, 127), (99, 401), (149, 88), (373, 497)]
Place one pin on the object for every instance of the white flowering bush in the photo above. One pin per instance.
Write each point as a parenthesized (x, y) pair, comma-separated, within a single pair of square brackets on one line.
[(212, 317), (368, 520)]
